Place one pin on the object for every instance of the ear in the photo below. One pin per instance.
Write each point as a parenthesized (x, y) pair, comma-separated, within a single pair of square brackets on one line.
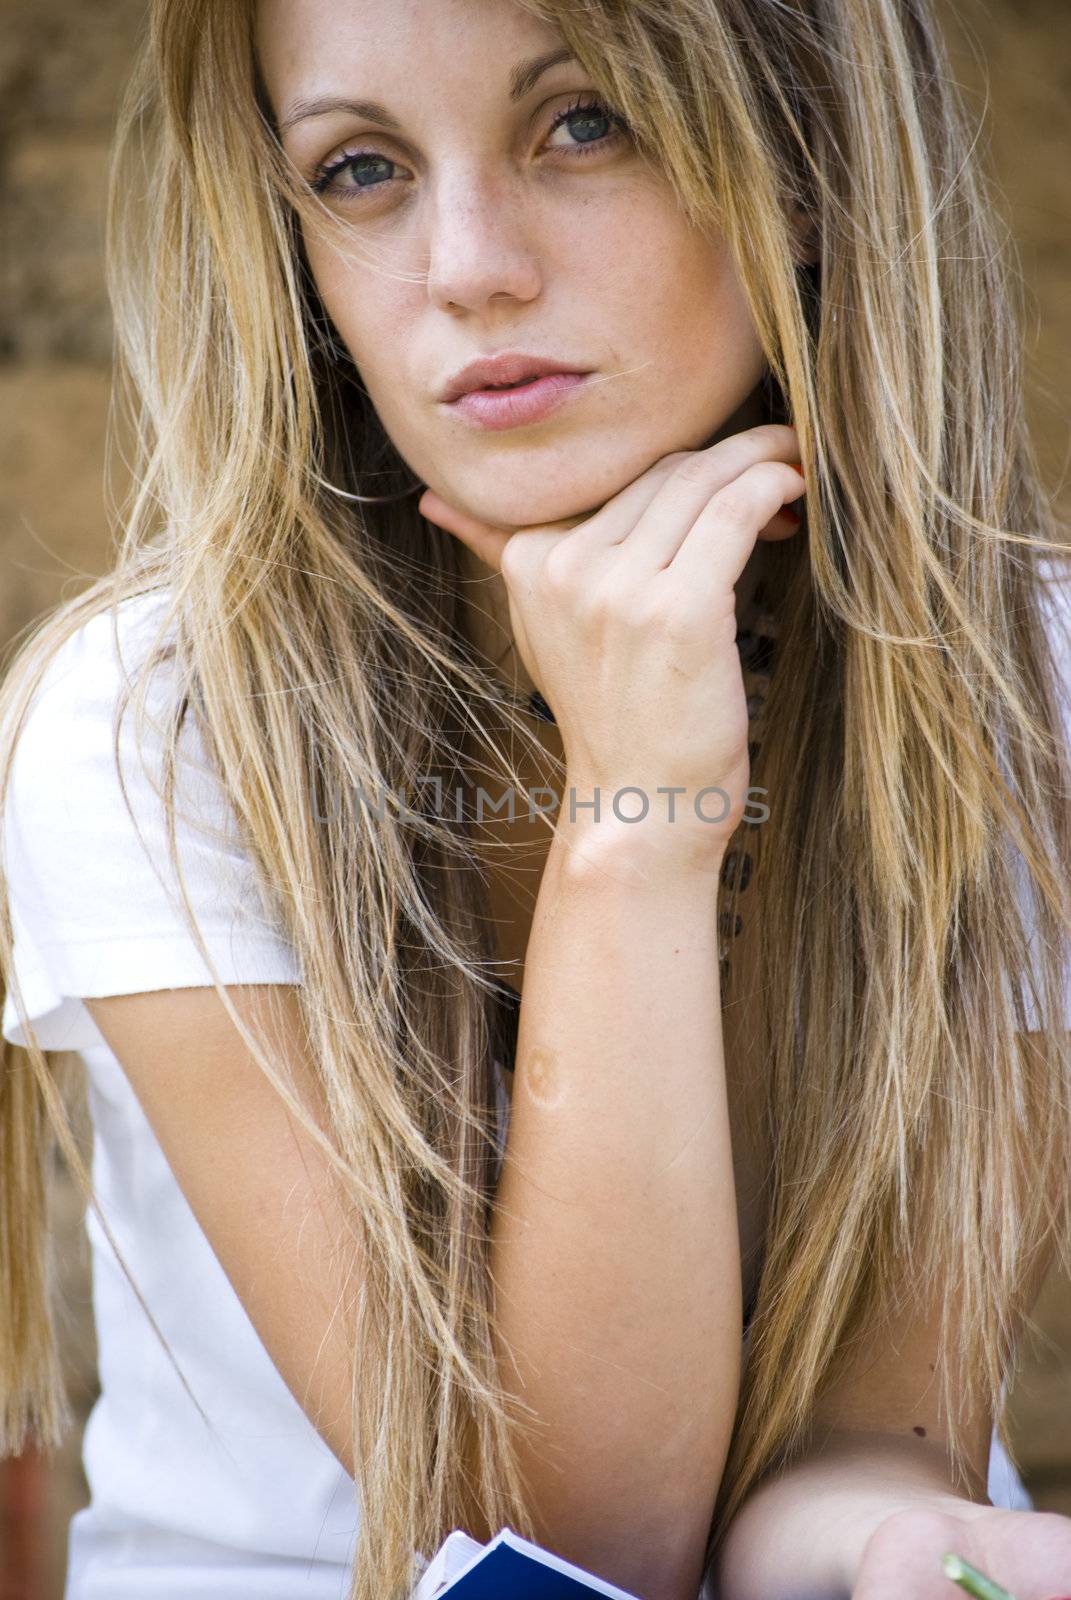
[(804, 237)]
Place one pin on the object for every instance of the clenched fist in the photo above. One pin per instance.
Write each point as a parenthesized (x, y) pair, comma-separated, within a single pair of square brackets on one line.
[(626, 620)]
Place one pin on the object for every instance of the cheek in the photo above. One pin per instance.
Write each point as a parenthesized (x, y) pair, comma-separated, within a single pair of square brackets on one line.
[(713, 313), (358, 300), (330, 276), (680, 294)]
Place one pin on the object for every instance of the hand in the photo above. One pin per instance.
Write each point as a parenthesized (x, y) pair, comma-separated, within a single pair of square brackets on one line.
[(626, 620), (1027, 1552)]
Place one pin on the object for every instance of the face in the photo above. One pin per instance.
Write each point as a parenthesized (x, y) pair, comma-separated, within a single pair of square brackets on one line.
[(475, 226)]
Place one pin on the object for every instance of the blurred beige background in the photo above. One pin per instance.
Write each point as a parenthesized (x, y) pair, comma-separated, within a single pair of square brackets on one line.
[(61, 66)]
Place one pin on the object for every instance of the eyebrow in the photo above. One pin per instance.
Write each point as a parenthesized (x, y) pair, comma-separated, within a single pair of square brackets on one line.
[(522, 80)]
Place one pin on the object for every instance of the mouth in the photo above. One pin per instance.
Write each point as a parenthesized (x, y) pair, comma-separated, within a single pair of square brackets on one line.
[(515, 405), (508, 369)]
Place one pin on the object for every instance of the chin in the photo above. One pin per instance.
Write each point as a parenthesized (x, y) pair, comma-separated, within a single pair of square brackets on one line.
[(535, 497), (533, 504), (531, 509)]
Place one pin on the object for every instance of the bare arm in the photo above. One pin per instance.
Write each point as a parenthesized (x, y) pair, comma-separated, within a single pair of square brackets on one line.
[(615, 1245), (876, 1482), (615, 1250), (257, 1184)]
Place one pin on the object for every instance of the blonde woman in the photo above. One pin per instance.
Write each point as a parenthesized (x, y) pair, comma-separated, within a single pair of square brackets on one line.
[(441, 1157)]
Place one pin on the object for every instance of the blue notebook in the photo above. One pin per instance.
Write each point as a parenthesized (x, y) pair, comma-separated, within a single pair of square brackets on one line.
[(509, 1565)]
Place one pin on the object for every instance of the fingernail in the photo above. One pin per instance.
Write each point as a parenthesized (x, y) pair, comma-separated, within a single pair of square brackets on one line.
[(789, 515)]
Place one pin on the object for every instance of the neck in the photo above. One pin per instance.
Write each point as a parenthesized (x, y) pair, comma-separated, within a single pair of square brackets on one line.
[(486, 623)]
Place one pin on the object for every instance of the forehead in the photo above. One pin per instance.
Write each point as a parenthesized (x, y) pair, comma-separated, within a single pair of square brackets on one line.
[(307, 47)]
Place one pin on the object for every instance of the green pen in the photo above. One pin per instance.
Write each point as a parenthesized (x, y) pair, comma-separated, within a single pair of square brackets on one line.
[(974, 1582)]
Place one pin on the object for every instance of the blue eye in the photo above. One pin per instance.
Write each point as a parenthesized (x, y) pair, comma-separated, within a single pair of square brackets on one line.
[(323, 178), (587, 110), (591, 109)]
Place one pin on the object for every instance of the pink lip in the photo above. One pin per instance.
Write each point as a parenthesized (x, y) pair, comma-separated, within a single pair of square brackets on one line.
[(513, 408)]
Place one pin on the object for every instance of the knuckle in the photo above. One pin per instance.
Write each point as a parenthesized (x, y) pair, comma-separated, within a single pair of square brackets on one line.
[(613, 602), (644, 608), (559, 569), (920, 1526), (748, 495), (511, 560), (695, 467), (598, 603), (735, 503), (699, 616), (681, 623), (767, 443), (672, 460), (671, 603), (637, 615), (778, 434), (769, 476)]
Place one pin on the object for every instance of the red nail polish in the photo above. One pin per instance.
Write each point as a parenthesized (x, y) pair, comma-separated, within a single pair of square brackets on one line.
[(789, 515)]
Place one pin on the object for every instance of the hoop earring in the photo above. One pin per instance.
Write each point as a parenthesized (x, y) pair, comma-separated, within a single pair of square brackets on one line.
[(368, 499)]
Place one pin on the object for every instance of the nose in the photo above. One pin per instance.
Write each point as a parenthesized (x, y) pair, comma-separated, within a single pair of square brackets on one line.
[(481, 246)]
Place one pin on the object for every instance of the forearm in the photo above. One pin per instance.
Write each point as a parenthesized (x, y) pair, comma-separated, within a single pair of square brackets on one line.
[(615, 1252), (803, 1533)]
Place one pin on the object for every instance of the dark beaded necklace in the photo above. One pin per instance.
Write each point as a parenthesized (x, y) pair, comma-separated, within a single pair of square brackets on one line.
[(534, 704), (539, 708)]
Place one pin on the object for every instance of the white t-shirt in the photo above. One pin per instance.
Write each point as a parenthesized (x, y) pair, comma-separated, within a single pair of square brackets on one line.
[(259, 1507)]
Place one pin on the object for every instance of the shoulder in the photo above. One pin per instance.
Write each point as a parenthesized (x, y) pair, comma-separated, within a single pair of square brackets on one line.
[(1055, 590), (86, 745), (86, 753), (86, 793), (1055, 607), (99, 780), (103, 651), (69, 721), (105, 851)]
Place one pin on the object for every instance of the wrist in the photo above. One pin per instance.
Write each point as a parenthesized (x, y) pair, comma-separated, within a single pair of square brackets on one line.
[(807, 1530), (638, 853), (640, 832)]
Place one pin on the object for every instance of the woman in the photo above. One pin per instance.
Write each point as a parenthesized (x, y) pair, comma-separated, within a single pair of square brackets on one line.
[(715, 216)]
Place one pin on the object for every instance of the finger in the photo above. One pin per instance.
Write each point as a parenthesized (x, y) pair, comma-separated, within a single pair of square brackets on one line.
[(489, 539), (657, 519), (484, 539), (717, 546), (688, 478)]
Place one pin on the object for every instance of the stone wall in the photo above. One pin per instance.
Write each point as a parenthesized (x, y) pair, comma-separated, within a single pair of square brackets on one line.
[(61, 68)]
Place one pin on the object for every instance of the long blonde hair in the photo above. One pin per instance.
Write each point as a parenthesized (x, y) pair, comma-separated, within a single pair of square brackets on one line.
[(912, 743)]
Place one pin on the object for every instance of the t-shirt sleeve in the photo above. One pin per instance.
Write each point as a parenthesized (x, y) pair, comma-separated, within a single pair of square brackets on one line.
[(1056, 613), (96, 908)]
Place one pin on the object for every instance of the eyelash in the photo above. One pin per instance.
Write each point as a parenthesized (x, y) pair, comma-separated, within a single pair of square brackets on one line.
[(321, 181)]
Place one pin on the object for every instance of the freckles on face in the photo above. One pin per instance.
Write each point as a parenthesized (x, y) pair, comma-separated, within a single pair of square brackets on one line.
[(478, 227)]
